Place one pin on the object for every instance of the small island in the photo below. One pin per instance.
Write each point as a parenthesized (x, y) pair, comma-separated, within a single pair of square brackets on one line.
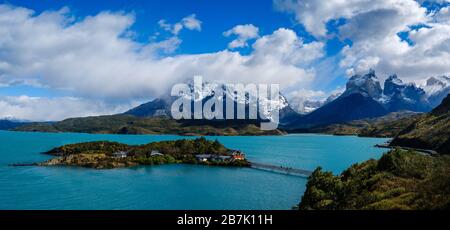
[(109, 155)]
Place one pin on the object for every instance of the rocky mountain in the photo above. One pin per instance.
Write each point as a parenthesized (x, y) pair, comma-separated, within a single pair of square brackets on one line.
[(402, 96), (332, 97), (156, 108), (304, 106), (6, 124), (162, 106), (154, 117), (345, 108), (443, 108), (367, 85), (360, 100), (398, 95), (364, 98), (437, 89), (9, 123)]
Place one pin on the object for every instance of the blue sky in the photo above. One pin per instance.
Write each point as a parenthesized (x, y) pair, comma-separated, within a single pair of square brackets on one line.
[(217, 17), (306, 47)]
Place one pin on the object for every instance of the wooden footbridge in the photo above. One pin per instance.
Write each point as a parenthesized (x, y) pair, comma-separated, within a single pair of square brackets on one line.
[(281, 169)]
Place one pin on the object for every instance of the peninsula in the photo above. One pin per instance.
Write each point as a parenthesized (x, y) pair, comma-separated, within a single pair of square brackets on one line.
[(108, 155)]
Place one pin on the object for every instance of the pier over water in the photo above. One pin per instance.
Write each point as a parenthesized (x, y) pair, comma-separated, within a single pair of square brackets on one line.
[(281, 169)]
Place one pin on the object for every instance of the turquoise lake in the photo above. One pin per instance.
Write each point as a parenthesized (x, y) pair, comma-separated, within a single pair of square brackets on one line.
[(171, 186)]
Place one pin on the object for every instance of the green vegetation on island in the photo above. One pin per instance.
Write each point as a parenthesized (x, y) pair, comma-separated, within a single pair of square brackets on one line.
[(105, 155), (403, 180), (128, 124)]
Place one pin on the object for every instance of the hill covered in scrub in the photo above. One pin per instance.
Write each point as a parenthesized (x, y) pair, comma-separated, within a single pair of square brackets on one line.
[(431, 131), (386, 126), (399, 180), (128, 124)]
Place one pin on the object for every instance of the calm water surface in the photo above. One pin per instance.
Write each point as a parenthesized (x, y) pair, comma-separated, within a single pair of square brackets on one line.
[(170, 186)]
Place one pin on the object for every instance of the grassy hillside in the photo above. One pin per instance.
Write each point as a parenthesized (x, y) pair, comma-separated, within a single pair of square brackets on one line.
[(431, 131), (399, 180), (385, 126), (127, 124)]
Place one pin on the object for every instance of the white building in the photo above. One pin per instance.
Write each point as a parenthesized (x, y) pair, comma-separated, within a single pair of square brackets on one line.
[(156, 153), (120, 154), (203, 157)]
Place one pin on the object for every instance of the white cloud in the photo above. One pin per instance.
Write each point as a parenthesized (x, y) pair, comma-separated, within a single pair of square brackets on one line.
[(314, 15), (190, 22), (308, 94), (443, 16), (285, 46), (172, 43), (54, 109), (95, 58), (305, 101), (373, 28), (428, 55), (244, 33), (166, 46)]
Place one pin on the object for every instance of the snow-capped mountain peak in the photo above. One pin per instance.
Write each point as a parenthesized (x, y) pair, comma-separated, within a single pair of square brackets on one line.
[(437, 88), (394, 85), (207, 91), (367, 85), (398, 95), (436, 84), (305, 105), (394, 79)]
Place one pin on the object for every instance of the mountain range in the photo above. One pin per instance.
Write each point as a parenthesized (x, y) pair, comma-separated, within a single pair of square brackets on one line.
[(363, 98), (11, 123), (161, 107)]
